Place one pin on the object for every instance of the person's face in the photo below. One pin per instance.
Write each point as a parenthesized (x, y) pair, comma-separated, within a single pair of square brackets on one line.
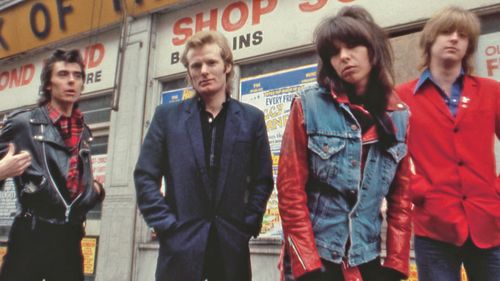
[(207, 71), (450, 46), (66, 83), (352, 64)]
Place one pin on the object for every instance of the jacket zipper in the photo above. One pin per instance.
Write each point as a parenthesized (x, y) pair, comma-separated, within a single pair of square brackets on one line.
[(296, 252), (54, 185)]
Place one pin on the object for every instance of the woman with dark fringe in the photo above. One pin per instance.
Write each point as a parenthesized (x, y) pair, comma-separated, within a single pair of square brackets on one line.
[(344, 150)]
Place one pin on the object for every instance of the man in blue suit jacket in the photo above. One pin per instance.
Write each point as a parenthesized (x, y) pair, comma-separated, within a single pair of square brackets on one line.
[(214, 154)]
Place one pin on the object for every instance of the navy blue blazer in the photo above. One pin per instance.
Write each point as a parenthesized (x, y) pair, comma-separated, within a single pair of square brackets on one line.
[(173, 150)]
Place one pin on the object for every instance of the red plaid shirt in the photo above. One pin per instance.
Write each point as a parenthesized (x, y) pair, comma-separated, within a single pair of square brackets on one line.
[(71, 129)]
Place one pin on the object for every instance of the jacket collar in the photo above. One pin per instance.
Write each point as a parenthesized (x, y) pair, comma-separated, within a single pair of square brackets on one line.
[(427, 76), (394, 103)]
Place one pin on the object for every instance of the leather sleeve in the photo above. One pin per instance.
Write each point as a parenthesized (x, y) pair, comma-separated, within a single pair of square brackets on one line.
[(399, 220), (293, 172)]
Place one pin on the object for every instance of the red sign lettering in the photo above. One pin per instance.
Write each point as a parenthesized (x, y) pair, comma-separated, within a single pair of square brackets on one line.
[(492, 50), (258, 10), (314, 5), (491, 65), (93, 55), (17, 77), (226, 16), (211, 23), (183, 28)]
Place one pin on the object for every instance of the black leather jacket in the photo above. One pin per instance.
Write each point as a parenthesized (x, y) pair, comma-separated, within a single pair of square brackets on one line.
[(41, 189)]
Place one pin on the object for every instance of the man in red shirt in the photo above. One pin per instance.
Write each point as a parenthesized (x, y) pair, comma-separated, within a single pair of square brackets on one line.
[(455, 189)]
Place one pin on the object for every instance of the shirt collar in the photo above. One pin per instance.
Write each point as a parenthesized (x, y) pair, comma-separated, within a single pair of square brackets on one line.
[(201, 103), (55, 115), (393, 104), (339, 97), (427, 76)]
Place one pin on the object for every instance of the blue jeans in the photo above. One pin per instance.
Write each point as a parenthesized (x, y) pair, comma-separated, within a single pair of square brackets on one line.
[(440, 261)]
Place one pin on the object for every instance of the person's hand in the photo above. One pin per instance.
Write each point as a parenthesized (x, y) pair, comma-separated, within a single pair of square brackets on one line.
[(12, 164)]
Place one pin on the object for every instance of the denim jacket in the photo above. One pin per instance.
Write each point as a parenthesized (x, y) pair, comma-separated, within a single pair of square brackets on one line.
[(334, 142), (334, 155)]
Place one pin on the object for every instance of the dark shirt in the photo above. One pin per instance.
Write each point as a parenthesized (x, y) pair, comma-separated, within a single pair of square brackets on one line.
[(71, 129), (213, 134)]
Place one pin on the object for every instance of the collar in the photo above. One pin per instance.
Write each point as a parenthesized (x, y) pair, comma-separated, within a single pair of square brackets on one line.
[(55, 115), (201, 103), (427, 76), (394, 103)]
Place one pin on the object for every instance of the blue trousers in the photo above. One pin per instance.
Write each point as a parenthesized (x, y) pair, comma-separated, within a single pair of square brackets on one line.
[(440, 261)]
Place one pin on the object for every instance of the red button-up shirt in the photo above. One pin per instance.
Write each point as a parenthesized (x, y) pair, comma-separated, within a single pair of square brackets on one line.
[(71, 129)]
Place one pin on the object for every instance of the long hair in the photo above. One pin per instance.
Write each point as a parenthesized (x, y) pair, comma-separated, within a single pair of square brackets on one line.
[(203, 38), (448, 20), (354, 26), (71, 56)]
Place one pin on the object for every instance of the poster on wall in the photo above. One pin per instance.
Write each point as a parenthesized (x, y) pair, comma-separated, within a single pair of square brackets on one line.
[(8, 203), (273, 94), (176, 95), (89, 252), (99, 167)]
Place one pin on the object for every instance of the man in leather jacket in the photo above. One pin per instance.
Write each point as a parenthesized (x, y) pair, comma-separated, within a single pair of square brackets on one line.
[(57, 190)]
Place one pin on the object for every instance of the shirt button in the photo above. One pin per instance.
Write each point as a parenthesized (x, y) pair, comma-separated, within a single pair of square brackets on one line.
[(455, 129), (354, 127), (354, 163), (464, 197), (460, 163), (335, 255)]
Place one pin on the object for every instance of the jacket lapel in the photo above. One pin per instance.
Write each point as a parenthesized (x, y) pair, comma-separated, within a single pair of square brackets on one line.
[(40, 118), (231, 132), (193, 127), (468, 97), (431, 93)]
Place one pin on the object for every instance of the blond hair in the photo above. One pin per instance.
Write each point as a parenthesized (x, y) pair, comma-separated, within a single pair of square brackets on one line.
[(203, 38), (448, 20)]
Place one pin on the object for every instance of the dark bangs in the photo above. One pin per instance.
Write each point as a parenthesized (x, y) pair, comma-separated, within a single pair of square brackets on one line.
[(345, 30), (329, 34)]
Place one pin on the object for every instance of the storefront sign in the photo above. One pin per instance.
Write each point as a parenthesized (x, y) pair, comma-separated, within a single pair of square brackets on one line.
[(99, 167), (20, 81), (36, 23), (256, 27), (488, 56)]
